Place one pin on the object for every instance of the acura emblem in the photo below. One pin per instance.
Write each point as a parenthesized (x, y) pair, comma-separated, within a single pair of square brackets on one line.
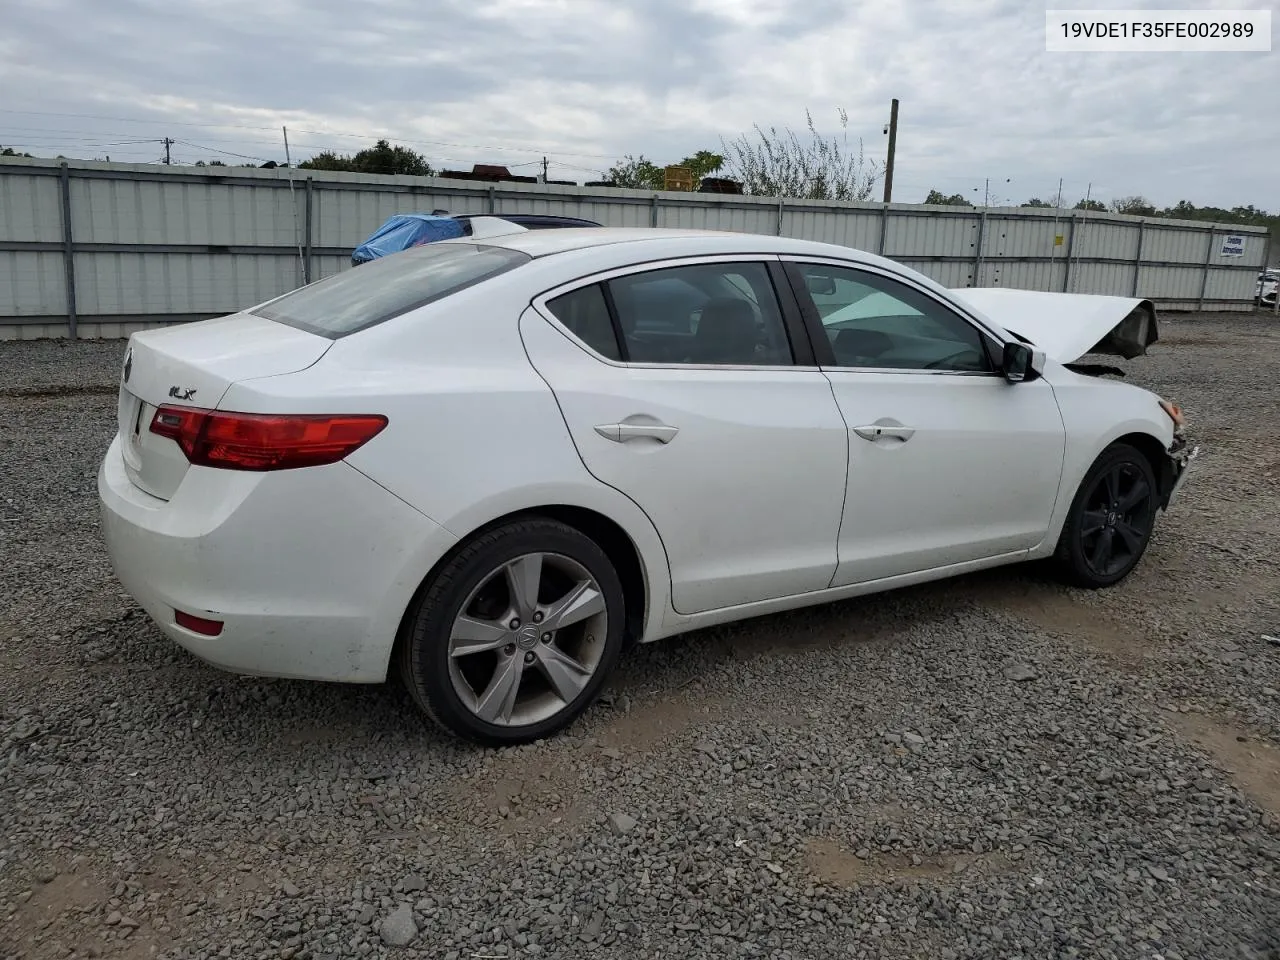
[(128, 365)]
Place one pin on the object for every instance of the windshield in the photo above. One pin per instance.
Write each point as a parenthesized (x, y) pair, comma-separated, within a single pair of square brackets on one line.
[(375, 292)]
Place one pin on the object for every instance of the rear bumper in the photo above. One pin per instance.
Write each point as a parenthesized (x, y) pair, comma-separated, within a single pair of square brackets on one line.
[(310, 571)]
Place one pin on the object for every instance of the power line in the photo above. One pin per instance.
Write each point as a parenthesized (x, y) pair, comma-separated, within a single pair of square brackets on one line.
[(531, 148), (227, 153)]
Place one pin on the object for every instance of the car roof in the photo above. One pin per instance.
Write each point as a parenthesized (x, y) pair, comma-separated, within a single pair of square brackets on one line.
[(544, 243)]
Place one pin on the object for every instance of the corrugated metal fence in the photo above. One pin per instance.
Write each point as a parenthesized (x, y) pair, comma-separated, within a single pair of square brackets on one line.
[(99, 249)]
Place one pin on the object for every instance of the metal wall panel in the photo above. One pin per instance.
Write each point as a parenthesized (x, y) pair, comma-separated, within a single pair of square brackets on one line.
[(757, 218), (179, 283), (1024, 276), (1173, 246), (322, 266), (30, 208), (1230, 284), (858, 229), (1170, 283), (123, 211), (1019, 237), (1110, 241), (917, 236), (1108, 279), (32, 284), (337, 216), (612, 214), (188, 218), (948, 274)]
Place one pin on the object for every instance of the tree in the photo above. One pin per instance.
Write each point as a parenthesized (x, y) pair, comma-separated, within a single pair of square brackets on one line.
[(1037, 202), (1135, 206), (1091, 205), (640, 173), (210, 163), (936, 198), (1186, 210), (10, 152), (778, 164), (636, 173), (380, 158), (702, 164)]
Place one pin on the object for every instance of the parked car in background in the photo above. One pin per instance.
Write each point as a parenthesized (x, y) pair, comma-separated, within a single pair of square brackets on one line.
[(1264, 291), (404, 230), (489, 464)]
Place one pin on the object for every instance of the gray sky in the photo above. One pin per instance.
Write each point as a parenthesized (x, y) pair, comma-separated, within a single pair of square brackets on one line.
[(586, 82)]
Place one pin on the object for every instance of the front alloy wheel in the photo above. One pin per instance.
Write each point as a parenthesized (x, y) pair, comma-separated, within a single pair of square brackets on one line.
[(515, 635), (1111, 519)]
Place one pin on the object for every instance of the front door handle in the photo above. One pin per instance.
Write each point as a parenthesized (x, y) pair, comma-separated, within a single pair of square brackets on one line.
[(622, 432), (876, 431)]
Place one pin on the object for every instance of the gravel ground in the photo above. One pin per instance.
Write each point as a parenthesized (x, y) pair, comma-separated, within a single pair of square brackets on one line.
[(990, 767)]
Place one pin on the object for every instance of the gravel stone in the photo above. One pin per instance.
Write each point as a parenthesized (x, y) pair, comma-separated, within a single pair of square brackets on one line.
[(413, 883), (398, 929), (1129, 808), (622, 823)]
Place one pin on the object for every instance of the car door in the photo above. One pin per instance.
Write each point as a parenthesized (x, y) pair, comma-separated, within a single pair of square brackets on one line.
[(948, 461), (682, 386)]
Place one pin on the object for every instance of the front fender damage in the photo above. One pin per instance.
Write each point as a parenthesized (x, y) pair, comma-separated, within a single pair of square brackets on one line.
[(1173, 472)]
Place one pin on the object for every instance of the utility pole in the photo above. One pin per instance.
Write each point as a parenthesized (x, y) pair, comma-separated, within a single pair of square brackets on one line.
[(167, 144), (544, 170), (986, 190), (893, 144), (1057, 217)]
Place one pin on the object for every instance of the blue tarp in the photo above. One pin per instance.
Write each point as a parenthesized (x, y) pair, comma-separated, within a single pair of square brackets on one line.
[(406, 230)]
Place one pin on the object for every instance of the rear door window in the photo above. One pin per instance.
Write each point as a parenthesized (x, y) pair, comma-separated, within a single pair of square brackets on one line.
[(586, 315), (703, 314), (375, 292)]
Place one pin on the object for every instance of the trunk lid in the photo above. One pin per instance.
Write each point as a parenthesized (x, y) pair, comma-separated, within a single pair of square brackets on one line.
[(193, 365)]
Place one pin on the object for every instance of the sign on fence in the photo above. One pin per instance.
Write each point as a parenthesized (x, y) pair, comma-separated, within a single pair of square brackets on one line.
[(1233, 246)]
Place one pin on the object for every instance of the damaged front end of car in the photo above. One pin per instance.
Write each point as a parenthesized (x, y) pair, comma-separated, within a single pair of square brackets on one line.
[(1178, 457), (1069, 327)]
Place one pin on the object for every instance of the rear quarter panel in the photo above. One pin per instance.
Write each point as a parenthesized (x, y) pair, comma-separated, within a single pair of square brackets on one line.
[(474, 434)]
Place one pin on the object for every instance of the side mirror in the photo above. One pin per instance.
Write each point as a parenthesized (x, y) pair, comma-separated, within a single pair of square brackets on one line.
[(1021, 363)]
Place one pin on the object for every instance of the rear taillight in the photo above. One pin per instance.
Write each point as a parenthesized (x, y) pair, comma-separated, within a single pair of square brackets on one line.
[(263, 441)]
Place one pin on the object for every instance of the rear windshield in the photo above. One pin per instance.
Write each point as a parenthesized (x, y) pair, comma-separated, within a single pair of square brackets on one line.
[(374, 292)]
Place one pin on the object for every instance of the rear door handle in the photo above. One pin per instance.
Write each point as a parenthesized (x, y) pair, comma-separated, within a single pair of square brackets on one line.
[(622, 432), (875, 431)]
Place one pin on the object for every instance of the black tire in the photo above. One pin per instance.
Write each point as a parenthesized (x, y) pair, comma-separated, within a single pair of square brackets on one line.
[(1111, 494), (425, 659)]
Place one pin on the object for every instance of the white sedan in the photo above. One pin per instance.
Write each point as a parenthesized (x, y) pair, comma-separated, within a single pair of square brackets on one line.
[(491, 463)]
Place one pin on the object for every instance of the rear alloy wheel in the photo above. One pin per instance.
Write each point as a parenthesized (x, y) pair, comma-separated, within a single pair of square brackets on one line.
[(516, 634), (1111, 519)]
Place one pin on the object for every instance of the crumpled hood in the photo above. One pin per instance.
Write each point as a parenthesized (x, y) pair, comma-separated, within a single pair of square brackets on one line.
[(1066, 326)]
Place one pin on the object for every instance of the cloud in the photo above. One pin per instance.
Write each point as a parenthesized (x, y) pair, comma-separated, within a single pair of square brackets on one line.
[(586, 81)]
